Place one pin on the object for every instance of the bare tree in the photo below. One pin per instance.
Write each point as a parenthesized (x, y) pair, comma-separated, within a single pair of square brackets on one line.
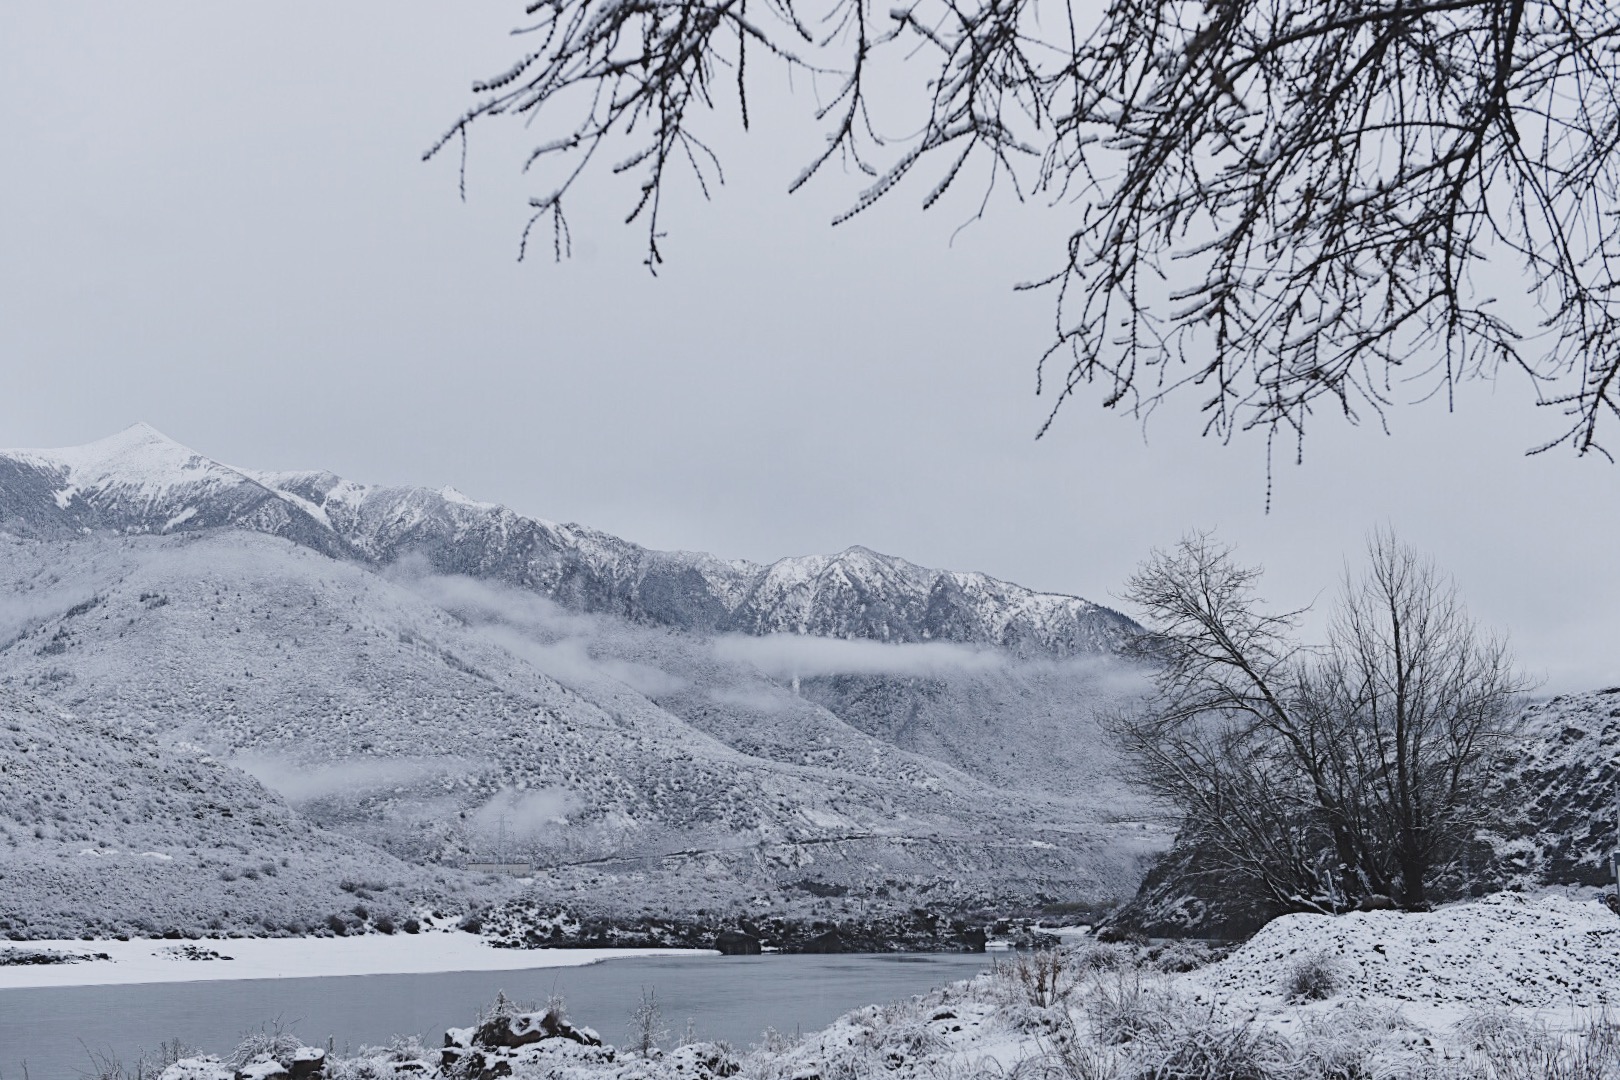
[(1274, 204), (1318, 777), (1420, 698)]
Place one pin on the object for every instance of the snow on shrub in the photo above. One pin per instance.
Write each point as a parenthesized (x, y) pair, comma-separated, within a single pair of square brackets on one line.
[(1313, 977)]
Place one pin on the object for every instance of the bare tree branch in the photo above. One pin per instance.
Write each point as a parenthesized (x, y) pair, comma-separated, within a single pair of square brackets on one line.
[(1276, 207)]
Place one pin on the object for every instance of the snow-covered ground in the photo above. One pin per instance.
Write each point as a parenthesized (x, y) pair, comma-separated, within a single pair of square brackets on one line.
[(1551, 957), (162, 961), (1506, 988)]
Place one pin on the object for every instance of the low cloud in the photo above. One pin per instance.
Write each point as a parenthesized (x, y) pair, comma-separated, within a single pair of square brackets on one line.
[(516, 816), (803, 656), (570, 661), (754, 699), (533, 628), (300, 781)]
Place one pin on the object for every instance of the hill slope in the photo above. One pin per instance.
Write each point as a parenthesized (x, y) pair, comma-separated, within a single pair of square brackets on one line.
[(445, 680)]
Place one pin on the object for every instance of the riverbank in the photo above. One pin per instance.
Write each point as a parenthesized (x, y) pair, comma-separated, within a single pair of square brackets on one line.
[(1505, 988), (158, 960)]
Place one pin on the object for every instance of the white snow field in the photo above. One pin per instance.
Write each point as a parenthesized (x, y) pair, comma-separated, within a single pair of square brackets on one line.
[(155, 960), (1545, 954)]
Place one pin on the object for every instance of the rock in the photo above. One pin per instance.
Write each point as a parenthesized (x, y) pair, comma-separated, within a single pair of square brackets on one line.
[(702, 1061), (198, 1068), (735, 943), (972, 938), (263, 1067), (830, 942), (523, 1029), (308, 1063), (489, 1050)]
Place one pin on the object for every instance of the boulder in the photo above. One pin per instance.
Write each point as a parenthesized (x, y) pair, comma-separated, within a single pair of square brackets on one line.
[(830, 942), (523, 1029), (198, 1068), (308, 1063), (263, 1067), (972, 938)]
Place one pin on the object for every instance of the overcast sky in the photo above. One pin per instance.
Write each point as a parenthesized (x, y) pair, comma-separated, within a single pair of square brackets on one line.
[(213, 218)]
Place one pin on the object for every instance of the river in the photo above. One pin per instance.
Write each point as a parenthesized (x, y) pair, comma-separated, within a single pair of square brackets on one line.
[(58, 1032)]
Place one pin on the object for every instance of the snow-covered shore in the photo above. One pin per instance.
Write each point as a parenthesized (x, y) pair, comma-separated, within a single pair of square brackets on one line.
[(1506, 988), (164, 961)]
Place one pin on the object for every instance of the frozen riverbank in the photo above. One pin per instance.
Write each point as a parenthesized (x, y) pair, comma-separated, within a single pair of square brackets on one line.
[(165, 961), (1507, 988)]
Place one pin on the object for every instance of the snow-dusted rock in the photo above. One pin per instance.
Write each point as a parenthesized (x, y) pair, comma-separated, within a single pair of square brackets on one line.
[(198, 1068)]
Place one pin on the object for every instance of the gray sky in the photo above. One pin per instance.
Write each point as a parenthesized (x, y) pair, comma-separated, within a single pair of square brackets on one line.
[(213, 218)]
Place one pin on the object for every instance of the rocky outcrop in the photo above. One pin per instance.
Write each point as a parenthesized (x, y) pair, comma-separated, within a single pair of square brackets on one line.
[(736, 943), (492, 1047), (302, 1063)]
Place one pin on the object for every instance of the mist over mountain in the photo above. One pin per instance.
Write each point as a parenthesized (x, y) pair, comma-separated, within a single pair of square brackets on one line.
[(441, 680)]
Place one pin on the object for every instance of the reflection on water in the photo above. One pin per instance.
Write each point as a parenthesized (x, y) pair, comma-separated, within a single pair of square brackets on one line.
[(55, 1031)]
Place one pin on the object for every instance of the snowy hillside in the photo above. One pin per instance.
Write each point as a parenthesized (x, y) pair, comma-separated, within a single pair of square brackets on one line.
[(446, 681), (1558, 793), (102, 831)]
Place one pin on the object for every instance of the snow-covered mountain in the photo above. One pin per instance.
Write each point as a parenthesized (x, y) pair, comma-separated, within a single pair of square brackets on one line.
[(141, 482), (442, 680)]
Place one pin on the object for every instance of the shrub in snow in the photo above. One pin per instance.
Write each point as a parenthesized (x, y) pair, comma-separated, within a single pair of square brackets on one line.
[(1515, 1050), (1212, 1048), (1182, 956), (1069, 1059), (1359, 1042), (1122, 1009), (1104, 956), (273, 1043), (1042, 978), (1314, 977), (402, 1059), (1493, 1025)]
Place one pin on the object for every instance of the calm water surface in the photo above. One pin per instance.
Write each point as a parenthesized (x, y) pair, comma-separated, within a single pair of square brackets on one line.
[(56, 1032)]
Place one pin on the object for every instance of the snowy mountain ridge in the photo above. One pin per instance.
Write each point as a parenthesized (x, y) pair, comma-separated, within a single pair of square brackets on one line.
[(141, 482)]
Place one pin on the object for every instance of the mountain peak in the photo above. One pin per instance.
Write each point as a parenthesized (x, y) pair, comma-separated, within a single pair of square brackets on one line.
[(139, 456)]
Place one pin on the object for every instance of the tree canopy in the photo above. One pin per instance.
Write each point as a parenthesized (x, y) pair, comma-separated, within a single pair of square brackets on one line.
[(1275, 207)]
